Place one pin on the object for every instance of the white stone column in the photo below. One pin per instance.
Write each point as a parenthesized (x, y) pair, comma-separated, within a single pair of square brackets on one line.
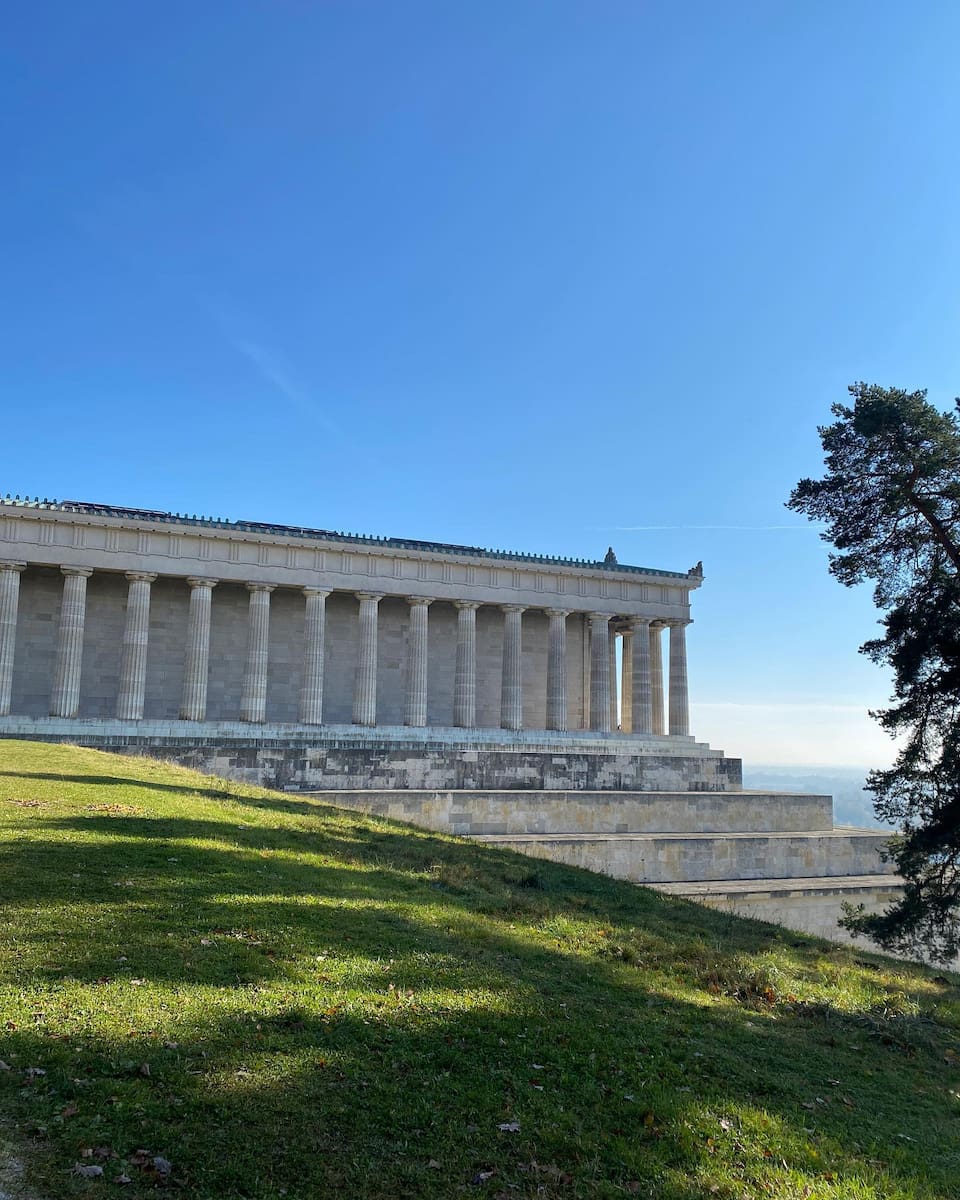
[(9, 605), (641, 706), (193, 704), (614, 714), (415, 712), (656, 679), (311, 693), (600, 672), (679, 702), (253, 698), (68, 663), (365, 685), (626, 681), (133, 652), (557, 669), (465, 680), (511, 679)]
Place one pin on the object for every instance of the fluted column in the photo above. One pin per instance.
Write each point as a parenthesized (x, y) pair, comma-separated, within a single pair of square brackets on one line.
[(626, 681), (193, 704), (614, 712), (465, 680), (415, 712), (600, 672), (679, 702), (9, 605), (656, 679), (253, 698), (557, 669), (641, 707), (511, 680), (365, 685), (68, 663), (133, 652), (311, 693)]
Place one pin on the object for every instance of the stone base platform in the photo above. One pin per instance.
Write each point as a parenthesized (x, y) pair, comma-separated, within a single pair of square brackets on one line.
[(337, 757), (811, 905), (689, 857), (576, 813)]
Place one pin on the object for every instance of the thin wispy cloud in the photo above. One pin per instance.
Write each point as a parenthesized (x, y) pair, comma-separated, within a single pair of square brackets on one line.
[(702, 528), (274, 370)]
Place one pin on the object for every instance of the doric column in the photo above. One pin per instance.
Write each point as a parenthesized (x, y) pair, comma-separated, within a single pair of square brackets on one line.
[(253, 698), (415, 712), (311, 693), (465, 680), (193, 704), (69, 659), (641, 706), (656, 678), (614, 713), (600, 672), (626, 680), (679, 704), (133, 652), (365, 685), (9, 604), (511, 680), (557, 669)]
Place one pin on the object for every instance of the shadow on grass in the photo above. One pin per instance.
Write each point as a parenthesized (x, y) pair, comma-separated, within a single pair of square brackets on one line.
[(374, 1010), (121, 781)]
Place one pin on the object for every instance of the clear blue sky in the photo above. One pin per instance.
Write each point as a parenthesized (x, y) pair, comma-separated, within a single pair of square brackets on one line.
[(545, 276)]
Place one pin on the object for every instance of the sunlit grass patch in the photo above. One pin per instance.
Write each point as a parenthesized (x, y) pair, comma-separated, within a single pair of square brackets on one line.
[(271, 997)]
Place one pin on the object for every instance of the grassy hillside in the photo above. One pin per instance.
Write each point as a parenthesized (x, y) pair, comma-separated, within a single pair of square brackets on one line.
[(228, 992)]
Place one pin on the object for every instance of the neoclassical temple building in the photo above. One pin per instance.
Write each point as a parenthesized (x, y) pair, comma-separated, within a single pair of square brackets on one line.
[(109, 612), (470, 691)]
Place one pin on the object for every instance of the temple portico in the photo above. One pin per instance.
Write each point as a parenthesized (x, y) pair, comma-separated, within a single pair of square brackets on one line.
[(126, 615)]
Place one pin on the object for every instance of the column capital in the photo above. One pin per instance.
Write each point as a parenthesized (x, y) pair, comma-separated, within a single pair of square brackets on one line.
[(636, 622), (260, 587), (5, 565), (557, 612), (474, 604), (601, 616), (513, 608), (196, 581), (425, 600), (138, 577), (678, 622), (83, 572), (312, 591), (375, 596)]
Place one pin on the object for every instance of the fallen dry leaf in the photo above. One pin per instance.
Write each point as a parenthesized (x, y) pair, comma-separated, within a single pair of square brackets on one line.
[(509, 1127), (85, 1172)]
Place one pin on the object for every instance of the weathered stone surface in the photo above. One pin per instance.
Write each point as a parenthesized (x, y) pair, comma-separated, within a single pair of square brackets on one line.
[(674, 858), (486, 810)]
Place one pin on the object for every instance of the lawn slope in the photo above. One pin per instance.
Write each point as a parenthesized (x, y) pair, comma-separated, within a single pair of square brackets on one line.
[(220, 991)]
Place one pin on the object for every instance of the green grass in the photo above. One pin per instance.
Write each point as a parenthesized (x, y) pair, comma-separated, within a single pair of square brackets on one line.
[(236, 993)]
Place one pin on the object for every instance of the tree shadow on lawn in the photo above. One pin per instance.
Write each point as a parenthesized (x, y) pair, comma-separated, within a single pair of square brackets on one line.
[(121, 781), (400, 1096), (368, 888), (282, 1078)]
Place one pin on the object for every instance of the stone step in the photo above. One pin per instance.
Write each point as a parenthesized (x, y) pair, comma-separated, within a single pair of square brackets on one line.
[(812, 905), (692, 857), (521, 811)]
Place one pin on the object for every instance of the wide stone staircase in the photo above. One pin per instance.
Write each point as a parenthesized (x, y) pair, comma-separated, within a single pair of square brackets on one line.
[(773, 855)]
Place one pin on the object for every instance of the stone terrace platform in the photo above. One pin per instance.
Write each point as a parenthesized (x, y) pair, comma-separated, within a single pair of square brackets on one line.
[(346, 757)]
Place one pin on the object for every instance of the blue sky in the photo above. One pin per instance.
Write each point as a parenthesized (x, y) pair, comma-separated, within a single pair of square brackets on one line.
[(545, 276)]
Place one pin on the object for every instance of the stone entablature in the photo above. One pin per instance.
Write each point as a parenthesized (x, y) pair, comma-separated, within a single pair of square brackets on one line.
[(540, 632)]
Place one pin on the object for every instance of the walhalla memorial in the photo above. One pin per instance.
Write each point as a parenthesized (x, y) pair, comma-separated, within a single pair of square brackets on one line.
[(469, 691)]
